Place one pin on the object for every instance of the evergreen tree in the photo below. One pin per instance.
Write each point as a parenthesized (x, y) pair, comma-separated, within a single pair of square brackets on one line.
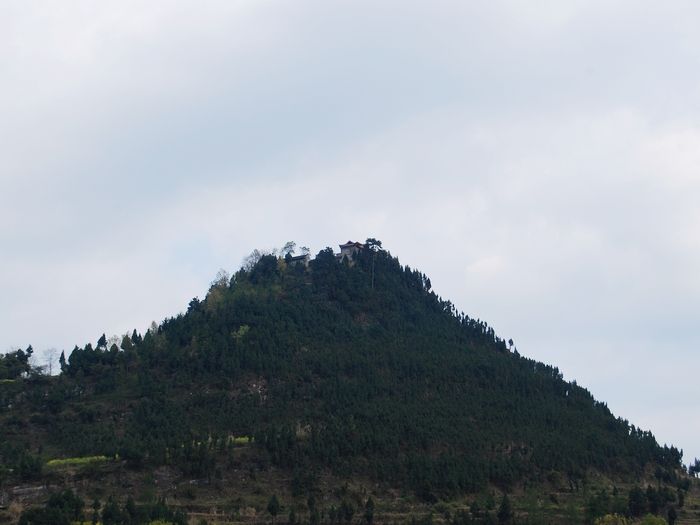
[(637, 502), (672, 516), (130, 509), (95, 511), (314, 516), (111, 513), (347, 511), (369, 511), (505, 510), (653, 500), (273, 507)]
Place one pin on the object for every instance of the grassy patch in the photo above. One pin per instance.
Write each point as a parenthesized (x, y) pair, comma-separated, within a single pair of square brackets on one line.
[(77, 462)]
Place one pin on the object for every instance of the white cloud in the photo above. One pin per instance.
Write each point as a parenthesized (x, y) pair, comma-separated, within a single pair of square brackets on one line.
[(540, 164)]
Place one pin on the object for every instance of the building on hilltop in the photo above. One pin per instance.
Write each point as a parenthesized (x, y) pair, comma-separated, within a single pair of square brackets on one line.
[(293, 260), (349, 249)]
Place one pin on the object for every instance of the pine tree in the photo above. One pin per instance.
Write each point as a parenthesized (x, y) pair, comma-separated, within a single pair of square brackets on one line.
[(505, 511), (637, 502), (672, 516), (273, 507), (369, 511), (95, 511), (62, 361)]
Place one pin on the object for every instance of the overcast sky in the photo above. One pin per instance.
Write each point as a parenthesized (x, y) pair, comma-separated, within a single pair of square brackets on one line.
[(540, 164)]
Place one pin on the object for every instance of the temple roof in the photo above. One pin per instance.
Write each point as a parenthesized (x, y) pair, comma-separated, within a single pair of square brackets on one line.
[(352, 244)]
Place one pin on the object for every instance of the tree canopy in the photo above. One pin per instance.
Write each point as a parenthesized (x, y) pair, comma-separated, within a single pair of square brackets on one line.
[(357, 366)]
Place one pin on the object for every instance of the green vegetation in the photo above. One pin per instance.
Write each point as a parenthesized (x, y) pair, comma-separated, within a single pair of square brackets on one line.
[(612, 519), (76, 462), (65, 508), (14, 364), (650, 519), (355, 369), (62, 509)]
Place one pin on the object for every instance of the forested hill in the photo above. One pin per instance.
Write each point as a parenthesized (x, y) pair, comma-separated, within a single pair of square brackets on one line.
[(354, 367)]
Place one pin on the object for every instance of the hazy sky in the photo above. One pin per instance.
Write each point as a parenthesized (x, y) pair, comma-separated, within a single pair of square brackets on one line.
[(540, 164)]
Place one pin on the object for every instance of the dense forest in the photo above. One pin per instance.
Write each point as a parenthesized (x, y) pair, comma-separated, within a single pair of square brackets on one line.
[(351, 365)]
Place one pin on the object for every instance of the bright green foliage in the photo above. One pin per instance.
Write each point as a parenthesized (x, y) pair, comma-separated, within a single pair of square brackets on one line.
[(612, 519), (650, 519), (76, 462)]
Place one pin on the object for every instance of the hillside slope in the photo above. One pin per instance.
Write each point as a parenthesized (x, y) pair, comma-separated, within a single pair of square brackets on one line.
[(355, 368)]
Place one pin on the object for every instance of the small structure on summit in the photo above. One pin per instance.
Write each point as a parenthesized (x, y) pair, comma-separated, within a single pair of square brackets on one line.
[(293, 260), (349, 249)]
